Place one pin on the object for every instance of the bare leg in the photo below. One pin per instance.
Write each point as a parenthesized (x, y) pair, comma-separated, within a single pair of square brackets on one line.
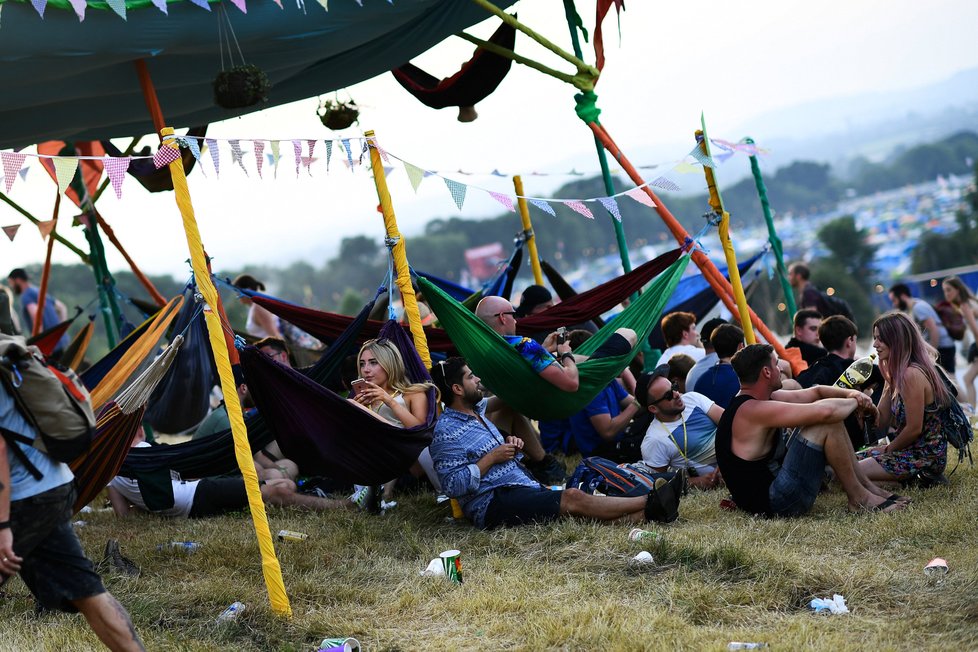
[(574, 502), (872, 469), (110, 622), (969, 381), (838, 453), (507, 419), (283, 494)]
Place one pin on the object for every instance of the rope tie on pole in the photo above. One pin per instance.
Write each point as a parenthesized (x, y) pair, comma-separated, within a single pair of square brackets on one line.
[(586, 107)]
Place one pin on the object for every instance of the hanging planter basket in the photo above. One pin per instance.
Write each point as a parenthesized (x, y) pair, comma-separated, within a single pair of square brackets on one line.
[(240, 87), (338, 115)]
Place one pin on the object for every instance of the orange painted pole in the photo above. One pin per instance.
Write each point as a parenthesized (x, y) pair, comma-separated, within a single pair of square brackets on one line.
[(713, 276), (42, 293)]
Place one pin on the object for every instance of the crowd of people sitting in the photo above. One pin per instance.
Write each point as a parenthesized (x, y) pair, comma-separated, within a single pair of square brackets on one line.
[(712, 411)]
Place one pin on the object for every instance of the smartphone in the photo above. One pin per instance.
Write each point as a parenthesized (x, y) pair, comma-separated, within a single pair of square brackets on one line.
[(561, 335), (356, 386)]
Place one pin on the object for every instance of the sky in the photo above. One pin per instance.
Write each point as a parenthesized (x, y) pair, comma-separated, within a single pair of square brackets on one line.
[(730, 61)]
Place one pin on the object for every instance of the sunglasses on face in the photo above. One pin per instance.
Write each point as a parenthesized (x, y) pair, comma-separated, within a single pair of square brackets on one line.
[(668, 396)]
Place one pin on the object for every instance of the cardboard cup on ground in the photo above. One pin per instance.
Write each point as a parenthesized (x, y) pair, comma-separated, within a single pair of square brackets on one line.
[(452, 562), (937, 566), (435, 569), (643, 557), (638, 534)]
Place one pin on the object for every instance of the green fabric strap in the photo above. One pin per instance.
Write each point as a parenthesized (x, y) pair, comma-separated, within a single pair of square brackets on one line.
[(587, 107), (504, 371)]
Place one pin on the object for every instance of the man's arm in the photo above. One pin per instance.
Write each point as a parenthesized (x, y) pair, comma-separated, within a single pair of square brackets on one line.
[(9, 562), (779, 414), (715, 413), (31, 309), (608, 427), (933, 335), (563, 376), (61, 310)]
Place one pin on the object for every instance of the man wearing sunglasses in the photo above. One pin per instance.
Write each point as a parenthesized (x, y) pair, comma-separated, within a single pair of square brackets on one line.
[(683, 429)]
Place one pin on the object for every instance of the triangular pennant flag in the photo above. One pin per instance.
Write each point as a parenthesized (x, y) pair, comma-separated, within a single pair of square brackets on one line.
[(505, 200), (23, 172), (279, 3), (579, 207), (641, 197), (458, 191), (203, 4), (237, 155), (611, 206), (64, 171), (380, 150), (84, 220), (297, 150), (215, 155), (39, 6), (686, 168), (116, 169), (46, 227), (11, 231), (12, 161), (349, 152), (161, 5), (276, 156), (79, 6), (329, 153), (497, 173), (240, 4), (118, 6), (415, 174), (723, 156), (311, 144), (702, 157), (259, 154), (388, 169), (542, 205), (165, 155), (664, 183), (191, 144)]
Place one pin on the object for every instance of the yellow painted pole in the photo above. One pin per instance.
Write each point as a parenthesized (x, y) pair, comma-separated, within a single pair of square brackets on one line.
[(399, 251), (242, 449), (531, 239), (716, 203)]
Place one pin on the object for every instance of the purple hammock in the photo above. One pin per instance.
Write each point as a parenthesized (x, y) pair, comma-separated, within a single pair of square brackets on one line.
[(324, 433)]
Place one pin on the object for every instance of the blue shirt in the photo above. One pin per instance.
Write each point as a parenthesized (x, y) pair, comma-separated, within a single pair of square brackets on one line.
[(49, 316), (719, 383), (608, 401), (22, 483), (460, 441), (709, 360), (538, 357)]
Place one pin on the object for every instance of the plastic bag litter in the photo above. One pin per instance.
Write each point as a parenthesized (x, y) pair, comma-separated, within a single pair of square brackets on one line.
[(835, 605)]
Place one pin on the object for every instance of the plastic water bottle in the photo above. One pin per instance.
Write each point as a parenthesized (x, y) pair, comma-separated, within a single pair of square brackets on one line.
[(740, 645), (231, 612), (857, 373), (179, 546)]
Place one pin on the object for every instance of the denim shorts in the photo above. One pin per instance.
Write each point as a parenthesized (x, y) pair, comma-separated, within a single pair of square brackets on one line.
[(797, 484), (521, 505), (55, 567)]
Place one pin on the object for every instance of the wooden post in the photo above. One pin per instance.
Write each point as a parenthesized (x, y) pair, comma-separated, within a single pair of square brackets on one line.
[(531, 238)]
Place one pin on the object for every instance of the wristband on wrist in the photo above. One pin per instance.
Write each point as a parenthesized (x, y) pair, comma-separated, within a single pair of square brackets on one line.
[(566, 354), (4, 525)]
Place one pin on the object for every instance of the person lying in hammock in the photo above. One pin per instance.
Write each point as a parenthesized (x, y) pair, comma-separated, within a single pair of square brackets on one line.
[(482, 469), (384, 390), (206, 496), (553, 360)]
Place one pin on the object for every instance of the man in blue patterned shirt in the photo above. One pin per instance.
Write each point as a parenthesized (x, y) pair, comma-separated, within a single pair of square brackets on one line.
[(483, 470)]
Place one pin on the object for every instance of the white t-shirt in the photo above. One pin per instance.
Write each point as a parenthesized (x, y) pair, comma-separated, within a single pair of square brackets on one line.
[(662, 442), (694, 352), (183, 492)]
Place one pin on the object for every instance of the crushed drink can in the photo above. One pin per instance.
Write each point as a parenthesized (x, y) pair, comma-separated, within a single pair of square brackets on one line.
[(339, 645), (289, 535), (179, 546), (231, 612), (638, 534)]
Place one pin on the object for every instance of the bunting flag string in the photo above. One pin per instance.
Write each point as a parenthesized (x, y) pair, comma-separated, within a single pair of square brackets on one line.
[(11, 231), (45, 228), (116, 167)]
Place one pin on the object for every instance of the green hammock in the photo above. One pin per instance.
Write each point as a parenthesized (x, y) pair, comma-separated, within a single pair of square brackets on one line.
[(504, 371)]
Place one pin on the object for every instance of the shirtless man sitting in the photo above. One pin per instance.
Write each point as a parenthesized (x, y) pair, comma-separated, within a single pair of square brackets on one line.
[(751, 427)]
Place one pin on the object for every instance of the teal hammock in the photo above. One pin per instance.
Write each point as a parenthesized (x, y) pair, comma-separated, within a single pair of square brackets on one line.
[(504, 371)]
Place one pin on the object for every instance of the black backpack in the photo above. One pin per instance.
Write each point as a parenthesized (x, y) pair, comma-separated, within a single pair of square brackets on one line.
[(832, 305)]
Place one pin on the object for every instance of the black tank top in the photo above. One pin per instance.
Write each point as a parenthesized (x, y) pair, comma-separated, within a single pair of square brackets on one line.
[(748, 481)]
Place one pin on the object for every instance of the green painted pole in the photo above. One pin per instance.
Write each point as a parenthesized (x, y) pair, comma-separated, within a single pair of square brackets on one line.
[(626, 264), (104, 282), (772, 235)]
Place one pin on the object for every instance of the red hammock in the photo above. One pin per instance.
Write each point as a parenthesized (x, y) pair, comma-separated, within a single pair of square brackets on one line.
[(583, 307), (114, 432), (477, 79)]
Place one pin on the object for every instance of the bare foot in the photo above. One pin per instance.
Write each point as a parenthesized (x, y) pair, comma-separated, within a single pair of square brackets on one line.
[(875, 504)]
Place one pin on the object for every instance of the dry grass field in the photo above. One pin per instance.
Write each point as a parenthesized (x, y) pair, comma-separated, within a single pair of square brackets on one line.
[(717, 577)]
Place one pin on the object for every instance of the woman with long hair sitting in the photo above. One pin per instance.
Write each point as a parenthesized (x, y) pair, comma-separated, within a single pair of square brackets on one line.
[(388, 394), (963, 299), (915, 398)]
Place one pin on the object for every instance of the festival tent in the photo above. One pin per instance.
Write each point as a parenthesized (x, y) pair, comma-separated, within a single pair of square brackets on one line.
[(74, 80)]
